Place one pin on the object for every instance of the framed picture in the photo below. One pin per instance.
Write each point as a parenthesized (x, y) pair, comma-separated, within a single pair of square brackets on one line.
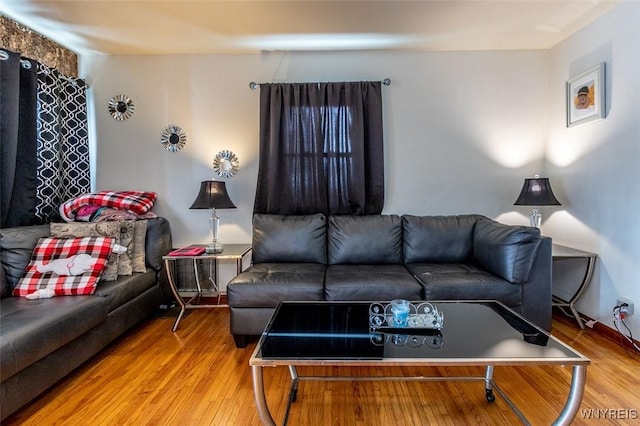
[(585, 96)]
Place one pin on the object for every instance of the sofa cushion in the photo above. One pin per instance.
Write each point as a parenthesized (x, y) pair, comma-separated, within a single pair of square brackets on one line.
[(138, 254), (125, 265), (507, 251), (16, 247), (267, 284), (32, 329), (125, 288), (289, 238), (463, 281), (370, 282), (68, 266), (365, 240), (438, 238), (100, 229)]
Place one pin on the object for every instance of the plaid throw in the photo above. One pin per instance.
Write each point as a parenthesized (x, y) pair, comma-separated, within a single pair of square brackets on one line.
[(65, 250), (138, 202)]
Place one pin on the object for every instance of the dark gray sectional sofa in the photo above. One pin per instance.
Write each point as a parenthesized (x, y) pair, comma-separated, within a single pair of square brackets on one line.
[(383, 257), (43, 340)]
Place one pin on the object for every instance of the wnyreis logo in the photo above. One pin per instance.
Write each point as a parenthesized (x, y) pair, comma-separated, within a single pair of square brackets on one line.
[(609, 414)]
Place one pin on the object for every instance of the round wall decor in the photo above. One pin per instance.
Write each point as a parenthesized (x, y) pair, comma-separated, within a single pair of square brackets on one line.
[(226, 164), (121, 107), (173, 138)]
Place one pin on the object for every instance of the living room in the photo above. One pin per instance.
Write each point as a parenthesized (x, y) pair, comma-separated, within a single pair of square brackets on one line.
[(462, 130)]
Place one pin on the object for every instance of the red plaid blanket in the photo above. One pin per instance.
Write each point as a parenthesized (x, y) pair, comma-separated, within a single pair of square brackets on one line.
[(138, 202)]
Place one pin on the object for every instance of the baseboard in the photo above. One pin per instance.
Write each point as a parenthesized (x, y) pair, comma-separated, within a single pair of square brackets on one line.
[(601, 329)]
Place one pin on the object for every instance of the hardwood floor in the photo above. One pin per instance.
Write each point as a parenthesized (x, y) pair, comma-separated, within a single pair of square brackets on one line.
[(196, 376)]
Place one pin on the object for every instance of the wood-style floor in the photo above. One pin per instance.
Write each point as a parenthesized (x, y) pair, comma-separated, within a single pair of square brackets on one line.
[(196, 376)]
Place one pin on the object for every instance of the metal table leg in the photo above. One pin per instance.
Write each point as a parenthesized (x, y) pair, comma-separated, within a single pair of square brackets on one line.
[(259, 396), (169, 266), (488, 384), (578, 378), (293, 392), (586, 279)]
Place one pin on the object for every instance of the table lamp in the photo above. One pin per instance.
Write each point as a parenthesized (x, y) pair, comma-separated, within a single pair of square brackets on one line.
[(213, 195), (536, 192)]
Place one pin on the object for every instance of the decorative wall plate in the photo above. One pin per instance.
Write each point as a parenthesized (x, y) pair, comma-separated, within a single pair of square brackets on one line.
[(121, 107), (226, 164), (173, 138)]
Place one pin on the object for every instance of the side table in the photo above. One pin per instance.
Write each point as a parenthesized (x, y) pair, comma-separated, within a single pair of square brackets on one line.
[(560, 252), (231, 251)]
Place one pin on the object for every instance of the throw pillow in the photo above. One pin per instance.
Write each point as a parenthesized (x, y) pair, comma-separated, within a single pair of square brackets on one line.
[(125, 266), (99, 229), (138, 202), (138, 260), (65, 266)]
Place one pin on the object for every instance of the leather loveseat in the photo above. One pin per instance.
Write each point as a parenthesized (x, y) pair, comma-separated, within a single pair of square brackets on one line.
[(43, 340), (384, 257)]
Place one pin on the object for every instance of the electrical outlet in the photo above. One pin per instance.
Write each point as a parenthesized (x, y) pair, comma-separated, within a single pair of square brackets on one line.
[(628, 310)]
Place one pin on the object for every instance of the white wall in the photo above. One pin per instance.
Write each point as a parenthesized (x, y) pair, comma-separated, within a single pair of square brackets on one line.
[(595, 167), (462, 131)]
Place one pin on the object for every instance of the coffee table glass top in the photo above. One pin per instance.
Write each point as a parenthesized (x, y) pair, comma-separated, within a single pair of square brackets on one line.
[(485, 330)]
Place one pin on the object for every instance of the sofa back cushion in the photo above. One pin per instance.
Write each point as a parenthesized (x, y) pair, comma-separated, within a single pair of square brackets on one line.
[(366, 240), (506, 251), (438, 239), (16, 246), (289, 238), (158, 242)]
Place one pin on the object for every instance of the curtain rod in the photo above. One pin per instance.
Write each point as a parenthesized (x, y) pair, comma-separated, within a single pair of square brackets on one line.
[(26, 64), (253, 85)]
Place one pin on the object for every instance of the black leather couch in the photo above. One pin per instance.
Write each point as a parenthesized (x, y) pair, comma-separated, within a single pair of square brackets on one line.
[(43, 340), (383, 257)]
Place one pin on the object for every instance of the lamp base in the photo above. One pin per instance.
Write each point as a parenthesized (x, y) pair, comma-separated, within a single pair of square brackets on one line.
[(214, 247), (535, 219)]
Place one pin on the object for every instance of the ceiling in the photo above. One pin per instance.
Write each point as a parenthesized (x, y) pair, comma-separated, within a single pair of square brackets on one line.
[(121, 27)]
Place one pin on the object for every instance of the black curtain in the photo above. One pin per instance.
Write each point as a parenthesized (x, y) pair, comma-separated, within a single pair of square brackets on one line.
[(321, 148), (18, 139), (44, 147)]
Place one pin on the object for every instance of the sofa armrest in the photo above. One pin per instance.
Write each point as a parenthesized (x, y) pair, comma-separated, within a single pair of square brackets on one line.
[(536, 292), (158, 242), (505, 250)]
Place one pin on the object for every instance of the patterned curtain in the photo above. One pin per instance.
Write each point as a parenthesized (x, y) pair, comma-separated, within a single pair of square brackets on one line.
[(44, 138)]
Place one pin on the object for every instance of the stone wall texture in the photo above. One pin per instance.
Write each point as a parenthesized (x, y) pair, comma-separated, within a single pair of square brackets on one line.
[(18, 38)]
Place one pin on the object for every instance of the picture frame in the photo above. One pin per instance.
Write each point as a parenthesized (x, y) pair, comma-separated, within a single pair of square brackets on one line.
[(586, 96)]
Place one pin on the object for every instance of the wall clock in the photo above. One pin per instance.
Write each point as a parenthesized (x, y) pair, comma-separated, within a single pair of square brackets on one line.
[(173, 138), (121, 107), (226, 164)]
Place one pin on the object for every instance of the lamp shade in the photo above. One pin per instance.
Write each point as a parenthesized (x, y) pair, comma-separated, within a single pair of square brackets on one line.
[(213, 195), (536, 192)]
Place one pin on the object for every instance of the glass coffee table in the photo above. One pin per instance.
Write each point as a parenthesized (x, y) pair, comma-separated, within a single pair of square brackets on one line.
[(477, 333)]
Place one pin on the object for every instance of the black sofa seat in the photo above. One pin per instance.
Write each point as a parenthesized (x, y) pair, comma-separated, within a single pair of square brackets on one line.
[(266, 284), (370, 282), (459, 281), (32, 329), (126, 288)]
